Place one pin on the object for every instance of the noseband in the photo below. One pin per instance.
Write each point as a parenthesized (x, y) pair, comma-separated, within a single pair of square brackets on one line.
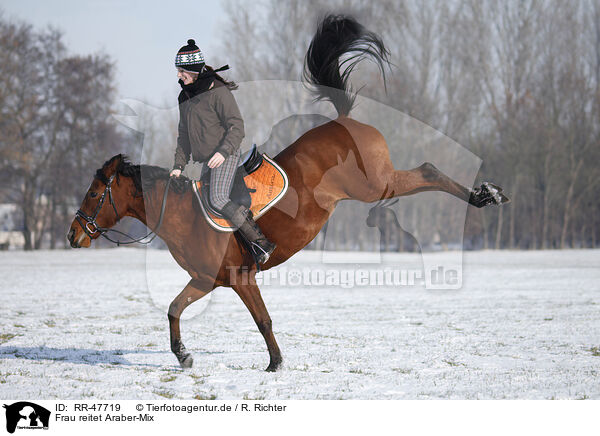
[(89, 221)]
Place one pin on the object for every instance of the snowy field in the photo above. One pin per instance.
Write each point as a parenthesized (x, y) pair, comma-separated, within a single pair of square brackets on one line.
[(91, 324)]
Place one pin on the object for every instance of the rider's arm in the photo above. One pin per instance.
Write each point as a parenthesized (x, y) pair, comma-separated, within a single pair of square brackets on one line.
[(182, 151), (229, 114)]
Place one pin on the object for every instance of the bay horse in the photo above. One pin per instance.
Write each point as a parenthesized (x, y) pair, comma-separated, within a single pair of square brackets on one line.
[(318, 181)]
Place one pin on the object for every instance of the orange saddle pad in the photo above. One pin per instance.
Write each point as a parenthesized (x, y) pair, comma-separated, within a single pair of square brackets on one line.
[(267, 185)]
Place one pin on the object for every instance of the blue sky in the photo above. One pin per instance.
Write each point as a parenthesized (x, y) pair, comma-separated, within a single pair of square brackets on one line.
[(141, 36)]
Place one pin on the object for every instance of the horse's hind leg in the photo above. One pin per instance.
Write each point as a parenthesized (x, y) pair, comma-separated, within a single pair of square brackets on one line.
[(427, 177), (424, 178), (193, 291), (368, 145), (250, 295)]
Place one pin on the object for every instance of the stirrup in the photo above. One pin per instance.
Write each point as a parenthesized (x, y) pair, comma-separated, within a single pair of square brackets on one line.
[(262, 255)]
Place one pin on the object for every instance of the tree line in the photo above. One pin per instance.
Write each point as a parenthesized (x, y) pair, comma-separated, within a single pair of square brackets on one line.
[(515, 82), (55, 128)]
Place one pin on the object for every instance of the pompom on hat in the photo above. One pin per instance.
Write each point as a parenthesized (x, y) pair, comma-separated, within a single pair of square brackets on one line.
[(190, 58)]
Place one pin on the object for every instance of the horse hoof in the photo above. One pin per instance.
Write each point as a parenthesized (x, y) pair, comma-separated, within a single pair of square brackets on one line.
[(187, 361), (273, 366), (487, 194)]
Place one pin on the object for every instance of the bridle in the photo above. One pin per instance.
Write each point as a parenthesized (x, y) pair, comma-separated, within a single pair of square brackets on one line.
[(90, 221)]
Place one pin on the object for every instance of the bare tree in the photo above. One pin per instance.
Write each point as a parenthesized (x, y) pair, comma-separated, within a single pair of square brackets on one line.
[(54, 125)]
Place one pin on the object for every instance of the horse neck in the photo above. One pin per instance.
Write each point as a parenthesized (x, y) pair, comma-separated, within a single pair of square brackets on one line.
[(152, 204)]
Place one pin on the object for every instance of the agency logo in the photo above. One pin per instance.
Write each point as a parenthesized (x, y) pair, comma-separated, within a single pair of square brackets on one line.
[(25, 415)]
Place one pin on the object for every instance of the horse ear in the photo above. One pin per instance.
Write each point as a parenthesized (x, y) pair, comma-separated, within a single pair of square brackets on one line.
[(111, 165)]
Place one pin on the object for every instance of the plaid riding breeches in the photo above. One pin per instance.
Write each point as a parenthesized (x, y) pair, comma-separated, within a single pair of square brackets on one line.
[(221, 180)]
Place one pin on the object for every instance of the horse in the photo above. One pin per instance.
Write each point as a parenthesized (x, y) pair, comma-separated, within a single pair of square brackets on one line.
[(319, 178)]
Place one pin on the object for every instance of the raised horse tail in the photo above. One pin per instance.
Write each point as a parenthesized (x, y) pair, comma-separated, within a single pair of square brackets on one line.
[(340, 36)]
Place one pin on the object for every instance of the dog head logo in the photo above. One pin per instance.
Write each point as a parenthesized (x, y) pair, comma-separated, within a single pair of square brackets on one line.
[(25, 415)]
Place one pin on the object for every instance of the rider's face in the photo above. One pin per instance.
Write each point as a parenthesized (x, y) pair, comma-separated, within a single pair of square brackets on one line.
[(186, 76)]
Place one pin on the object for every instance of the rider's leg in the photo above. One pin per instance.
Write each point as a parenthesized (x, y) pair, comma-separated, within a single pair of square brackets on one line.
[(241, 218), (221, 183), (221, 180)]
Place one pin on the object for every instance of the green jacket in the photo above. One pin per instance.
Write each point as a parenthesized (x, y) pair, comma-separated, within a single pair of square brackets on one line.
[(208, 122)]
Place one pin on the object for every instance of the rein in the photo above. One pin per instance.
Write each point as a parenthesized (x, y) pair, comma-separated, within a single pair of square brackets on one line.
[(81, 216)]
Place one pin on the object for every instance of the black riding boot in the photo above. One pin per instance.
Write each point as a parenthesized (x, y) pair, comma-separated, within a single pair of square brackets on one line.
[(241, 217)]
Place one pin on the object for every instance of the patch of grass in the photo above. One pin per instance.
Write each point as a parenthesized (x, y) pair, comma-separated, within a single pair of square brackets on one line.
[(50, 323), (20, 372), (548, 319), (149, 344), (165, 394), (125, 315), (5, 337), (84, 380), (453, 363), (199, 379), (19, 326), (302, 368), (197, 376), (595, 351), (402, 370), (235, 367), (203, 396), (249, 398), (168, 378)]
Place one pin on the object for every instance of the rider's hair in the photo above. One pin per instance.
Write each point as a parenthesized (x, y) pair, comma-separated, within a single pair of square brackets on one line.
[(229, 83)]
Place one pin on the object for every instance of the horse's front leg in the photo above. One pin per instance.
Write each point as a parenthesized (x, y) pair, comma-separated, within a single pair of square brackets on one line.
[(193, 291), (248, 291)]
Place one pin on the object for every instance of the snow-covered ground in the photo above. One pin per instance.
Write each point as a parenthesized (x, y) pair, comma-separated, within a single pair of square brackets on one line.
[(92, 324)]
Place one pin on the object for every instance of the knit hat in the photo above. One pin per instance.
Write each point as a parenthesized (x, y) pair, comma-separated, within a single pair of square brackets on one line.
[(189, 57)]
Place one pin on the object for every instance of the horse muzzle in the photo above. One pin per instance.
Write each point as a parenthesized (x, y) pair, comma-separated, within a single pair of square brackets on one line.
[(76, 241)]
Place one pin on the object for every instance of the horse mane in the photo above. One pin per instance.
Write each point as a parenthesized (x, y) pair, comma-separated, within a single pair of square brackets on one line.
[(144, 177)]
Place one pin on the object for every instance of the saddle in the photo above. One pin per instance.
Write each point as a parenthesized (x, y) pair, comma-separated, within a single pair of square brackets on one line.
[(259, 183)]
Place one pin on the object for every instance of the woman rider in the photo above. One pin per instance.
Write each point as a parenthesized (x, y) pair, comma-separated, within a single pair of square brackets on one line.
[(211, 130)]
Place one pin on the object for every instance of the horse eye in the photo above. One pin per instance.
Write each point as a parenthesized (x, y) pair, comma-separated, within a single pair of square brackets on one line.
[(93, 194)]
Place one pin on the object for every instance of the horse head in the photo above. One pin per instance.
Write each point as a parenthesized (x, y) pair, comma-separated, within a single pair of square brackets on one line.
[(109, 198)]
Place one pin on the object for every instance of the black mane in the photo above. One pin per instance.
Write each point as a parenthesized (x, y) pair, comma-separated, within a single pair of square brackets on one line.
[(144, 176)]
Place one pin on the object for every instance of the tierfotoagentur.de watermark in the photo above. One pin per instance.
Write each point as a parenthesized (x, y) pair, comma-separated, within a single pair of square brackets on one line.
[(346, 278)]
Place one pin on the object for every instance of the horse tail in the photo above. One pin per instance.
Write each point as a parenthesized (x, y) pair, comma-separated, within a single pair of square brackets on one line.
[(340, 36)]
